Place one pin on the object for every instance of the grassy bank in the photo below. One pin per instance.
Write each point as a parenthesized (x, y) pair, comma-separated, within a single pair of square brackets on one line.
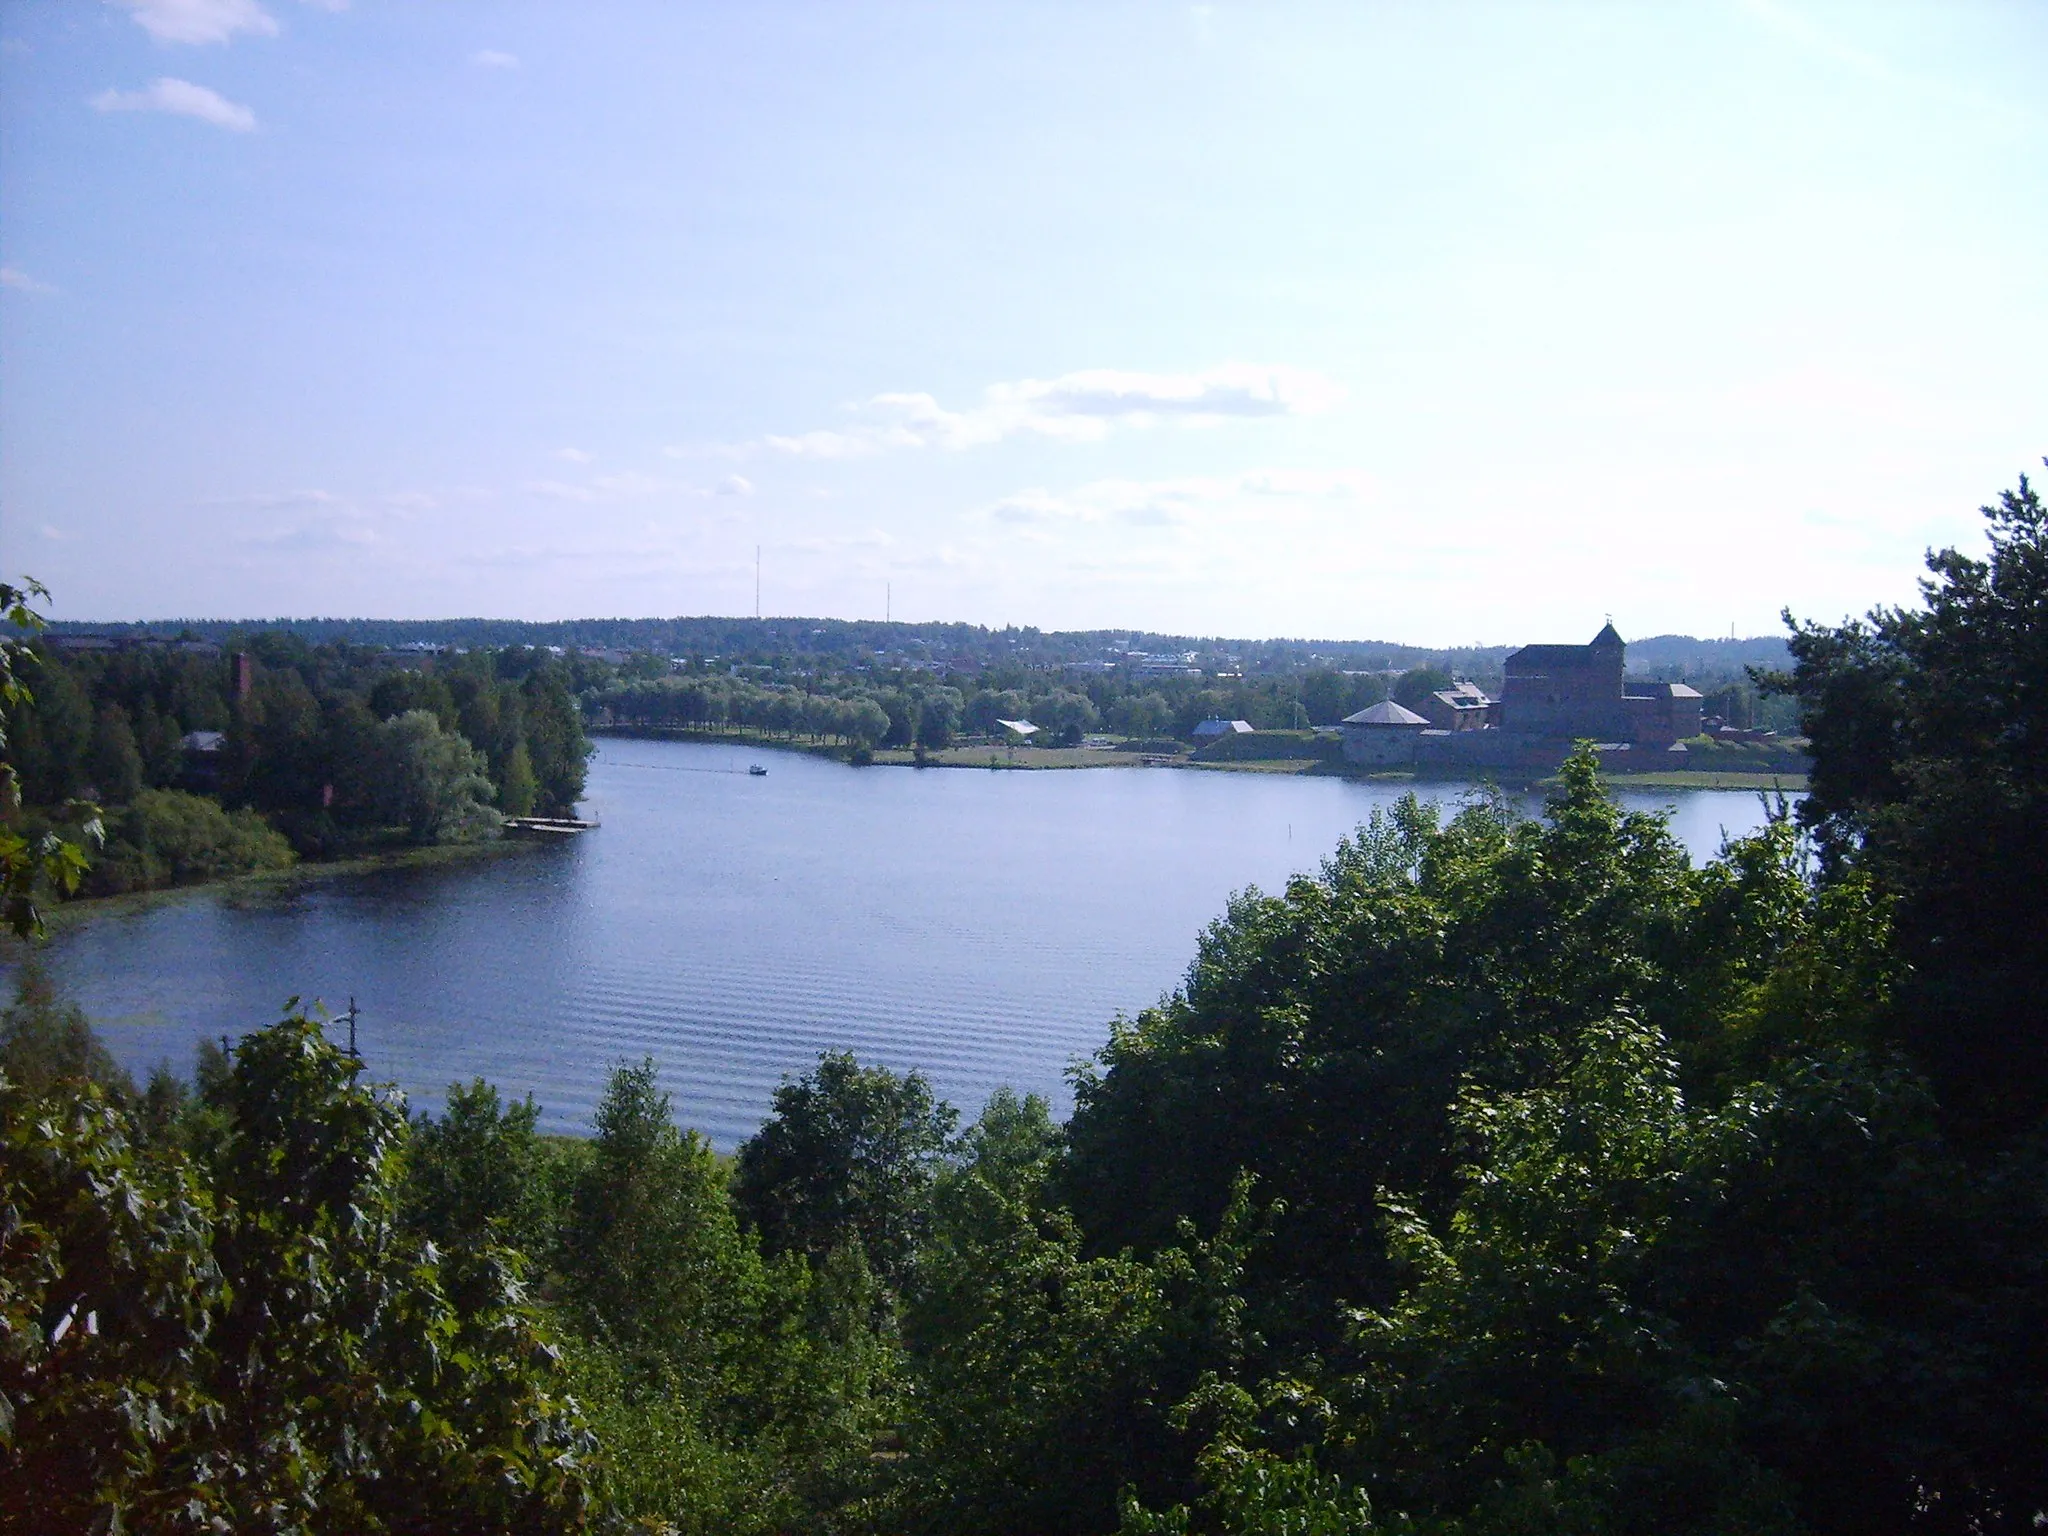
[(1003, 759), (975, 755), (1709, 778)]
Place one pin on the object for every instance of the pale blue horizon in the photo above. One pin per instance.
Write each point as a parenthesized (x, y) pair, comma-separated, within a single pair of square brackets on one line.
[(1442, 325)]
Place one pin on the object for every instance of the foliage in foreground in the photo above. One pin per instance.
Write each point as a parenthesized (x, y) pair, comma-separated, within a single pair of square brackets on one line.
[(242, 1337), (1503, 1177)]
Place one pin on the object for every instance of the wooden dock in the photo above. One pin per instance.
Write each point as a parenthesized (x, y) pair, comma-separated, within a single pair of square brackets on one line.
[(546, 826)]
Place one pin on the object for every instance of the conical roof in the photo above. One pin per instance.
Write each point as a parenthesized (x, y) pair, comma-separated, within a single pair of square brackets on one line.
[(1608, 635), (1388, 713)]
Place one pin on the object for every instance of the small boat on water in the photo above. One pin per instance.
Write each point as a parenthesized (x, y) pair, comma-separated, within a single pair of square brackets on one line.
[(757, 770)]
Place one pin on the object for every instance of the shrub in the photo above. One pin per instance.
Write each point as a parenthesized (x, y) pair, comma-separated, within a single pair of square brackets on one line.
[(168, 837)]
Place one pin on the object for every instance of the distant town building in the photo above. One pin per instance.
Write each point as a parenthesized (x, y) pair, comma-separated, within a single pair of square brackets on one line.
[(1462, 707), (1660, 714), (202, 752), (78, 643), (1552, 696), (1383, 736), (1143, 665), (1569, 691), (1577, 691), (1209, 730)]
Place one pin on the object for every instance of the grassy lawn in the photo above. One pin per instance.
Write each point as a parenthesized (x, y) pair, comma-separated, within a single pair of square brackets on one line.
[(1024, 757), (1264, 765), (1709, 778)]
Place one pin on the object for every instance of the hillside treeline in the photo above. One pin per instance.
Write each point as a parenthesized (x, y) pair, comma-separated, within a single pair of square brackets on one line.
[(1503, 1176), (919, 709), (812, 641), (327, 751)]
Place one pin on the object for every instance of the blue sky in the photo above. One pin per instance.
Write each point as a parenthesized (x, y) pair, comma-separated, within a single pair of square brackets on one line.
[(1433, 323)]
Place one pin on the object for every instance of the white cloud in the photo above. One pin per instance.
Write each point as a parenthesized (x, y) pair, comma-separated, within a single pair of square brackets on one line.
[(1076, 407), (631, 485), (492, 58), (181, 98), (1179, 502), (573, 455), (619, 487), (276, 501), (21, 282), (304, 521), (198, 21)]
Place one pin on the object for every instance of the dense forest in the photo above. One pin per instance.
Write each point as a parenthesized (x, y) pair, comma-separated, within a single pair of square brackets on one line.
[(1505, 1176), (206, 762)]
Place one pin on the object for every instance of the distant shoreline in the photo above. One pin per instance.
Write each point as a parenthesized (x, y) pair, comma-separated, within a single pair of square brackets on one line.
[(1055, 759)]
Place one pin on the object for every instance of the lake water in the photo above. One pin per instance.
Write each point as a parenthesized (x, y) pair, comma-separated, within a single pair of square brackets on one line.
[(983, 927)]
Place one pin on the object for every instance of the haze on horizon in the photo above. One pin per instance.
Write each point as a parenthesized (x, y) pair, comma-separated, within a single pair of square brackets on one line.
[(1435, 324)]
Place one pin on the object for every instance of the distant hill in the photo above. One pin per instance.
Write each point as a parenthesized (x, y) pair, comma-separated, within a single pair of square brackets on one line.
[(1684, 653), (739, 638)]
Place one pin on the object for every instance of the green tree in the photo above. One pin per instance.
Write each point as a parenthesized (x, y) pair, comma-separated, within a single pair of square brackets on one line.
[(1418, 683), (50, 737), (849, 1155), (555, 740), (474, 1175), (652, 1254), (249, 1342), (433, 782), (1044, 1378), (114, 765), (46, 1042), (399, 693), (988, 705), (169, 837), (1930, 771), (938, 716), (288, 767), (1065, 713), (34, 865), (518, 789), (1141, 714), (1323, 696)]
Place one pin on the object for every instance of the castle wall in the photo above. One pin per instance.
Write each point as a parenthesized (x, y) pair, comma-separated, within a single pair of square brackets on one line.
[(1566, 701), (1381, 746)]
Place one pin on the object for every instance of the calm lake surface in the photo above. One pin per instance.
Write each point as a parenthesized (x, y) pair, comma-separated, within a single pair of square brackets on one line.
[(983, 927)]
